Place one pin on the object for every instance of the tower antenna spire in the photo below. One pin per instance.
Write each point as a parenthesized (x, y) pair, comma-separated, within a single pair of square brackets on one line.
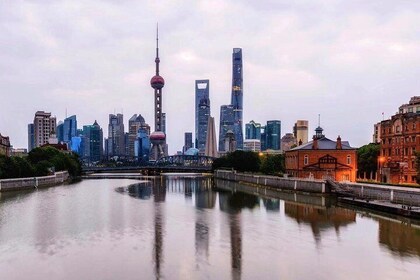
[(157, 60), (319, 120)]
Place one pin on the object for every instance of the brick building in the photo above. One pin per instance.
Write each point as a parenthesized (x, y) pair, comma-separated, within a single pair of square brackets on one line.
[(399, 142), (4, 145), (323, 158)]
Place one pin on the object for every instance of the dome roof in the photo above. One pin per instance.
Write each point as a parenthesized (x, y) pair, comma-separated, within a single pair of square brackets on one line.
[(191, 152), (157, 82)]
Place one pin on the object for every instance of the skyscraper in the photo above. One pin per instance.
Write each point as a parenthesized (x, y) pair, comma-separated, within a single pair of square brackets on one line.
[(273, 135), (202, 113), (142, 145), (135, 123), (211, 146), (69, 129), (226, 123), (187, 141), (300, 131), (60, 131), (158, 137), (92, 142), (31, 137), (237, 96), (44, 125), (253, 130), (116, 137)]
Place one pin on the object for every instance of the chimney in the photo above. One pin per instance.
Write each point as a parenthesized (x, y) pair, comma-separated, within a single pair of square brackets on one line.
[(300, 142), (315, 143), (338, 146)]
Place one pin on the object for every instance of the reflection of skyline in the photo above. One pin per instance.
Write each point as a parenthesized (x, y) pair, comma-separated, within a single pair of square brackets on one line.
[(271, 204), (320, 218), (399, 238), (159, 192), (236, 245)]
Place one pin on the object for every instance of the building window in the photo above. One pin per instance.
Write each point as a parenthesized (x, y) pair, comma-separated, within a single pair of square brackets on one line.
[(305, 160), (348, 159), (410, 109)]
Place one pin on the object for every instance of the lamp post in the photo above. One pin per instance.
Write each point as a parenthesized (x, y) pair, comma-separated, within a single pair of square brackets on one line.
[(381, 160)]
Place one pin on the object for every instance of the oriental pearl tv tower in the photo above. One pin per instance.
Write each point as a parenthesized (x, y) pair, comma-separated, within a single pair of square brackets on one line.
[(158, 137)]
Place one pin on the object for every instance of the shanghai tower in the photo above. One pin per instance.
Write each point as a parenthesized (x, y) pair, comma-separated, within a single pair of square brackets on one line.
[(237, 96)]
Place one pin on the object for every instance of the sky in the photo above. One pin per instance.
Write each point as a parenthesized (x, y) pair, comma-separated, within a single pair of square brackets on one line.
[(349, 61)]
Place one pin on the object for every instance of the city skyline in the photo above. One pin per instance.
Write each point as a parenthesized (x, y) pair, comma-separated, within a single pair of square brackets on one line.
[(347, 62)]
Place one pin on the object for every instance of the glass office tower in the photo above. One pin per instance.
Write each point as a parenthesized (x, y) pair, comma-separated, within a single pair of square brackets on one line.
[(227, 120), (202, 112), (273, 135), (237, 96)]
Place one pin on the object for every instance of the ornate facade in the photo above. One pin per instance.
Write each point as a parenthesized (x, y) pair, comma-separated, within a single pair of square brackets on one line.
[(4, 145)]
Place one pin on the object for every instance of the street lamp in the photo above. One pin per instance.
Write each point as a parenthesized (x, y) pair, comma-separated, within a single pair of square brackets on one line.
[(381, 160)]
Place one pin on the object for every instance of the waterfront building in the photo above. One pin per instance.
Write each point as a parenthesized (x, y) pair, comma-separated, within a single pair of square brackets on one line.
[(253, 130), (288, 141), (226, 123), (43, 125), (376, 133), (399, 143), (253, 145), (273, 134), (53, 142), (158, 137), (135, 123), (31, 137), (116, 136), (323, 158), (92, 143), (211, 144), (300, 131), (5, 147), (142, 145), (187, 141), (69, 129), (237, 96), (202, 113)]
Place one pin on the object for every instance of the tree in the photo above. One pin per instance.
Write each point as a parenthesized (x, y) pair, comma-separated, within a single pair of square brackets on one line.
[(273, 164), (367, 158), (239, 160)]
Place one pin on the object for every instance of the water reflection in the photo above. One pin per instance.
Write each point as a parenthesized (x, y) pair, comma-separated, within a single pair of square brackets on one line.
[(318, 218), (399, 238)]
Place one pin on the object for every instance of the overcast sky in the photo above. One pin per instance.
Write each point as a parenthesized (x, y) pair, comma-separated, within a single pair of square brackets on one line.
[(346, 60)]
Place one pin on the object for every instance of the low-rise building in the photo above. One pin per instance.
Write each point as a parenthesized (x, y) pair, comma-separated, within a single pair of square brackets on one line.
[(4, 145), (399, 140), (253, 145), (323, 158)]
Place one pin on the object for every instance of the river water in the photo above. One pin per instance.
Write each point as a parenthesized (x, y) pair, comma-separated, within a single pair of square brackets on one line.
[(193, 228)]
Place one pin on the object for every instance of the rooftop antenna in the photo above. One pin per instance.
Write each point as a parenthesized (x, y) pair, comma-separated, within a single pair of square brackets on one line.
[(66, 113), (319, 120)]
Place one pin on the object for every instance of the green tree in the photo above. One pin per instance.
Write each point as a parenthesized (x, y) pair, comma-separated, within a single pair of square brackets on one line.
[(367, 158), (240, 161), (273, 164)]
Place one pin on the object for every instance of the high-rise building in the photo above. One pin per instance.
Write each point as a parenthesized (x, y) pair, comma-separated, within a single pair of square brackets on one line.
[(263, 138), (272, 134), (211, 146), (377, 133), (187, 141), (60, 131), (116, 136), (237, 96), (31, 137), (253, 130), (142, 145), (158, 137), (92, 143), (202, 113), (44, 125), (226, 123), (229, 142), (69, 129), (134, 124), (300, 131)]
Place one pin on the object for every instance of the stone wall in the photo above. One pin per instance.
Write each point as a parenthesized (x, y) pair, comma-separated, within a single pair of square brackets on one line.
[(33, 182), (293, 184)]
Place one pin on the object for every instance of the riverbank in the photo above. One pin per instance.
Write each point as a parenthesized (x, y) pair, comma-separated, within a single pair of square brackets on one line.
[(18, 184)]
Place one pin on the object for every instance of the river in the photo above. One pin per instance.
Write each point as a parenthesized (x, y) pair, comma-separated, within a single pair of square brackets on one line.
[(176, 227)]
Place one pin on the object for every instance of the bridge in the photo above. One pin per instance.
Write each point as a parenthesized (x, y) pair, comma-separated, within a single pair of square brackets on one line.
[(175, 163)]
